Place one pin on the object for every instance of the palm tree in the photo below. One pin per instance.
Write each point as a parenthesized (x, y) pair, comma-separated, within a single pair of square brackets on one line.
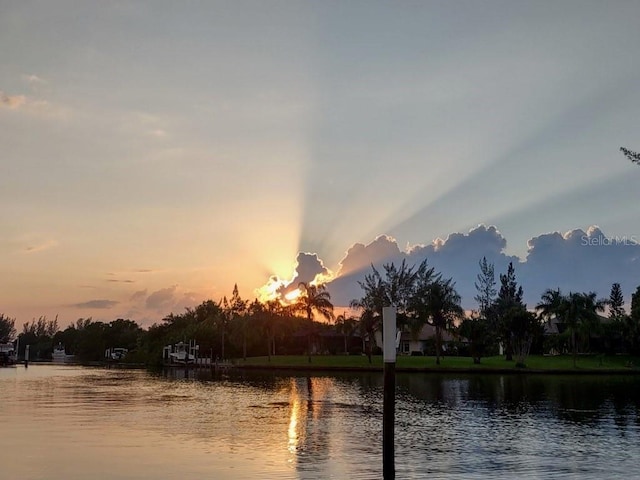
[(438, 304), (347, 326), (631, 155), (272, 311), (314, 298), (551, 304), (395, 288), (578, 311), (368, 324)]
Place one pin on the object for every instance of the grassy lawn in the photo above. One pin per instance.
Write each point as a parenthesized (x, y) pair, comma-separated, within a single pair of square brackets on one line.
[(534, 362)]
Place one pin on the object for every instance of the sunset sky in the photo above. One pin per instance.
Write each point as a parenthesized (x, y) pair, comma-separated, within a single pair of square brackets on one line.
[(152, 154)]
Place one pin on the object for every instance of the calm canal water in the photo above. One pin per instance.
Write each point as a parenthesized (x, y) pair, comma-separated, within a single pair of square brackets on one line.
[(75, 423)]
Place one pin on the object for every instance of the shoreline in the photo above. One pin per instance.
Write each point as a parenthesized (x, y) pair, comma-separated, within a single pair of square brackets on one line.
[(405, 365), (441, 370)]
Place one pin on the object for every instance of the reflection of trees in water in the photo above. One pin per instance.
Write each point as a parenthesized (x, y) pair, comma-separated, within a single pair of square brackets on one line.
[(590, 400), (571, 398)]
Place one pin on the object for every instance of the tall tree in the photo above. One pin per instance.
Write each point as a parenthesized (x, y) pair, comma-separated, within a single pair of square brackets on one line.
[(271, 312), (525, 327), (582, 316), (347, 327), (632, 325), (233, 310), (314, 299), (476, 328), (438, 302), (396, 288), (238, 311), (39, 335), (486, 287), (635, 304), (616, 302), (508, 307), (7, 328), (551, 305), (368, 324), (578, 312)]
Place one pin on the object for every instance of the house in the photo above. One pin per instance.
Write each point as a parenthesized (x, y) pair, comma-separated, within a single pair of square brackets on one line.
[(325, 341), (605, 336), (421, 344)]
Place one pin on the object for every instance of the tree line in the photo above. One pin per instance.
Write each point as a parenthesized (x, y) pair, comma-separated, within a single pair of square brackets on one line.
[(231, 328), (573, 321), (236, 328)]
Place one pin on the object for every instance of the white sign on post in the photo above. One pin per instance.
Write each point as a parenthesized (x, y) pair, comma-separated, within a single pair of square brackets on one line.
[(389, 334)]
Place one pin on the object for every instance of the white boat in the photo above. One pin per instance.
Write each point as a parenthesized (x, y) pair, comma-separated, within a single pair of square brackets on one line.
[(8, 354), (116, 354), (181, 353), (59, 355)]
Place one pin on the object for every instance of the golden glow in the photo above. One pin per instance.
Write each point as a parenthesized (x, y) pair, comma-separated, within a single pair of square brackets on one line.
[(269, 291), (293, 419), (293, 295), (321, 279)]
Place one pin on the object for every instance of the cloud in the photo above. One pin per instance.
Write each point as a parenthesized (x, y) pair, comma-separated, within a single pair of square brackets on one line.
[(139, 295), (582, 261), (114, 280), (457, 257), (12, 102), (577, 260), (33, 79), (34, 105), (162, 299), (158, 132), (29, 242), (144, 123), (309, 268), (40, 246), (359, 256), (98, 304), (188, 300)]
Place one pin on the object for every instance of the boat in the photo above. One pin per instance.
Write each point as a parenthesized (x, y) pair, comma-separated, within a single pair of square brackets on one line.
[(115, 354), (59, 355), (181, 353), (8, 354)]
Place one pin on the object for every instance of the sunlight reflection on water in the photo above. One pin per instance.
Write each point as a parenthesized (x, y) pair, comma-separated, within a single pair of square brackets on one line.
[(66, 422)]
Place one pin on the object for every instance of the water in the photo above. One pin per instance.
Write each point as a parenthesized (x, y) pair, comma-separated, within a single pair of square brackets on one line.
[(74, 423)]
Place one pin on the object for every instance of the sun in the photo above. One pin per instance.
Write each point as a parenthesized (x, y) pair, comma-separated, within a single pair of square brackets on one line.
[(272, 290), (292, 295)]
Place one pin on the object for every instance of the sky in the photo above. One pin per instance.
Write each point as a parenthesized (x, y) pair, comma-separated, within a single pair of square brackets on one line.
[(154, 154)]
